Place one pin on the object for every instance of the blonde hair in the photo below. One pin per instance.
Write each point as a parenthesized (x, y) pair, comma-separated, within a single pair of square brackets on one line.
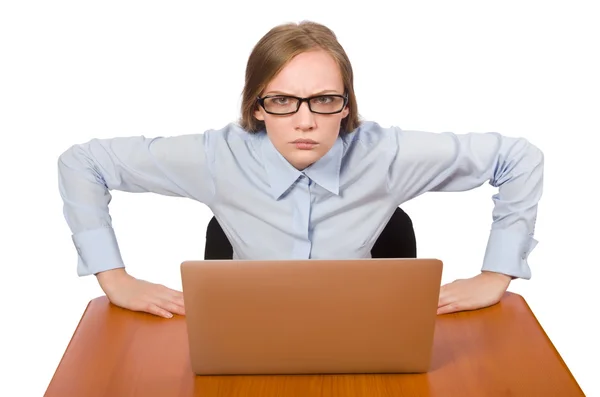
[(275, 49)]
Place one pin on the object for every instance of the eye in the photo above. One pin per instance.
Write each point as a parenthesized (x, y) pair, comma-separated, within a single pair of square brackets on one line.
[(280, 100), (325, 99)]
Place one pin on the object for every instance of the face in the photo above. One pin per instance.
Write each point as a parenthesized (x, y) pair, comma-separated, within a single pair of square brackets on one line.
[(308, 74)]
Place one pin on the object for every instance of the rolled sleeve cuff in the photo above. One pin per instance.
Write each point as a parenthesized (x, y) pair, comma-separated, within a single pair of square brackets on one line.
[(97, 251), (507, 253)]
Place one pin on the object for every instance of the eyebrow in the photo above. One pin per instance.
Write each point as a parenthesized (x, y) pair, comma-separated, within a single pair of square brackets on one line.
[(277, 92)]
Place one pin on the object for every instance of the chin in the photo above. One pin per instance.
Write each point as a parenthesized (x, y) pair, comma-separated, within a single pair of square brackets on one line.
[(305, 158)]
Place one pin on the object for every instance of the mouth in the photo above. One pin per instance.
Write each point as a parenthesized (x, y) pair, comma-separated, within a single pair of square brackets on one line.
[(304, 144), (304, 141)]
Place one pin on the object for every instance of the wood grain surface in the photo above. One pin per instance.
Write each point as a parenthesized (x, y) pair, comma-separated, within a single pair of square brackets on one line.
[(496, 351)]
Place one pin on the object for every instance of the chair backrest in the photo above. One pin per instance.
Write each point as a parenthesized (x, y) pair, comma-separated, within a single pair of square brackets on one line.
[(217, 244), (397, 240)]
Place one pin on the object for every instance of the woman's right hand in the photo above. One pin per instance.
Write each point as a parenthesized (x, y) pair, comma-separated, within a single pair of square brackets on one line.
[(130, 293)]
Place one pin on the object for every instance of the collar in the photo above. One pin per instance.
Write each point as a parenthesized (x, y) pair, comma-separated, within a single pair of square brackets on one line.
[(282, 175)]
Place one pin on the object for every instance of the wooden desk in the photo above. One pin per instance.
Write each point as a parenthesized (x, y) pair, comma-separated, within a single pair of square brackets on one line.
[(497, 351)]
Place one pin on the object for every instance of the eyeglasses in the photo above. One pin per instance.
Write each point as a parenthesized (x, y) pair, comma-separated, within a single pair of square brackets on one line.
[(286, 104)]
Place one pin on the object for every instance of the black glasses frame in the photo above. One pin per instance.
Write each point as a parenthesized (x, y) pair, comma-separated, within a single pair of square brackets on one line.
[(261, 102)]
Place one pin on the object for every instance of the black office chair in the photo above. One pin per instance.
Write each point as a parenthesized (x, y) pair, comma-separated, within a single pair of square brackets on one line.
[(397, 240)]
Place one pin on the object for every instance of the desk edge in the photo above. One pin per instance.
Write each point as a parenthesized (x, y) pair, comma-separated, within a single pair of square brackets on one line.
[(518, 296), (539, 325), (87, 307)]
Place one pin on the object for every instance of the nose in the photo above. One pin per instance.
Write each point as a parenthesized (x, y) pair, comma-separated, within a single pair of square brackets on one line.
[(305, 119)]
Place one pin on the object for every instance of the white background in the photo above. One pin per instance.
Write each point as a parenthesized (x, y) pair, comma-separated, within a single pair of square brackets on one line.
[(72, 71)]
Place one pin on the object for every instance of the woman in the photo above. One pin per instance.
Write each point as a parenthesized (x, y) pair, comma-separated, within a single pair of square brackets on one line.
[(300, 176)]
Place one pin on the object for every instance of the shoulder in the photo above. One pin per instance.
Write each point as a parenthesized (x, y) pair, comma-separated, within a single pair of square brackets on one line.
[(367, 132), (231, 133), (371, 134), (232, 141), (231, 137), (408, 144)]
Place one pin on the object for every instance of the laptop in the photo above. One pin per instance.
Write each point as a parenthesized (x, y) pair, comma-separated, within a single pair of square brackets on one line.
[(311, 316)]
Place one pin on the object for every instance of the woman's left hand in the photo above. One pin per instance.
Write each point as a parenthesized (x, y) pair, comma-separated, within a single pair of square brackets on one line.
[(483, 290)]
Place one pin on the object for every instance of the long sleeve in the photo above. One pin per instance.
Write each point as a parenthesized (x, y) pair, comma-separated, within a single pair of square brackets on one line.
[(447, 162), (173, 166)]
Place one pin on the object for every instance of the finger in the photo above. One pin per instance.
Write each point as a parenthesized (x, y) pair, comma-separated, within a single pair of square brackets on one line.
[(449, 308), (158, 311), (175, 308), (177, 297), (171, 306), (445, 297), (180, 303)]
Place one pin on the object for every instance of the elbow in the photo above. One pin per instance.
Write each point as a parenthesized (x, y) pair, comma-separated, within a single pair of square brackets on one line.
[(73, 159), (535, 169), (78, 163), (74, 156), (530, 155), (537, 156), (67, 159), (65, 166), (63, 159)]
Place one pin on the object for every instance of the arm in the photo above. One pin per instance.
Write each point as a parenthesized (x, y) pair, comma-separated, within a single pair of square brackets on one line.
[(173, 166), (458, 162)]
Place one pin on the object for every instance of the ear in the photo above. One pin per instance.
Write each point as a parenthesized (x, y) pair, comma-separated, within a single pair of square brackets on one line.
[(258, 114), (345, 112)]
